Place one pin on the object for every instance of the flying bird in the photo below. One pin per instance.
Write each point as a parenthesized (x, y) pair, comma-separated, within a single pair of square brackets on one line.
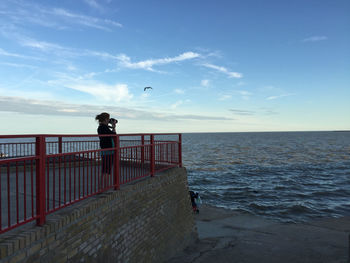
[(144, 89)]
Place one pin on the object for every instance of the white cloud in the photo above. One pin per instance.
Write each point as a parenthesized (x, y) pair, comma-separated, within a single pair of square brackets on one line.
[(54, 49), (245, 94), (179, 91), (14, 92), (259, 111), (224, 70), (84, 83), (315, 39), (66, 52), (278, 96), (52, 108), (42, 45), (176, 104), (103, 55), (242, 112), (225, 97), (268, 111), (205, 82), (93, 4), (145, 95), (71, 68), (85, 20), (125, 61), (269, 88), (25, 12), (116, 93), (15, 55), (17, 65), (68, 110)]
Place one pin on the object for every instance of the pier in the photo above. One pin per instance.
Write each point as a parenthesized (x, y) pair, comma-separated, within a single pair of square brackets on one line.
[(40, 174)]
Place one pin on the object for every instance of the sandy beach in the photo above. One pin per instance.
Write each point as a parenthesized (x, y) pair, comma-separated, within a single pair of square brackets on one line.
[(230, 236)]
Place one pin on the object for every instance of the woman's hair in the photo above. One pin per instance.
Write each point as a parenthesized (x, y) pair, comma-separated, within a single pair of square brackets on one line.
[(101, 117)]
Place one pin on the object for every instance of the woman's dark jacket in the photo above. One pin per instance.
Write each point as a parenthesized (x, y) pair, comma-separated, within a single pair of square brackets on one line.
[(105, 142)]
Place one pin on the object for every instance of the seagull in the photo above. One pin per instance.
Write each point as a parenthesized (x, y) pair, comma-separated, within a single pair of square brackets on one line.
[(144, 89)]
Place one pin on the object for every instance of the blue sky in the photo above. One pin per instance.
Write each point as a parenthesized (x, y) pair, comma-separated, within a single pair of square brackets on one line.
[(214, 66)]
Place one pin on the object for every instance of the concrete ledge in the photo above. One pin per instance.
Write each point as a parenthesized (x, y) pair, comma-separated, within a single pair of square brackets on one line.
[(147, 221), (229, 236)]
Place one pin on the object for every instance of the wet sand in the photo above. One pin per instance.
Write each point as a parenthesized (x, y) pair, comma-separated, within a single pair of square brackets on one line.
[(230, 236)]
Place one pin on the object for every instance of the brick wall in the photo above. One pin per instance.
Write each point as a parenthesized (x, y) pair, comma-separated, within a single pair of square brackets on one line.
[(148, 221)]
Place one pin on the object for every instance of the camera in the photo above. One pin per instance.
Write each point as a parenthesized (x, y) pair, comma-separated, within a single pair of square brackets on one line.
[(111, 120)]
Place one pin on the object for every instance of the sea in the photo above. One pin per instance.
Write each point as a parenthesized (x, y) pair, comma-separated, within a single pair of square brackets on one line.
[(283, 176)]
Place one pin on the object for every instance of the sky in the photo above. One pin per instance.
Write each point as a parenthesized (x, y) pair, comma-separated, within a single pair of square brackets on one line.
[(213, 65)]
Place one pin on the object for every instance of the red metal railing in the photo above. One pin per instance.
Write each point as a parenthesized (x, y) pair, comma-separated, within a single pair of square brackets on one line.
[(40, 174)]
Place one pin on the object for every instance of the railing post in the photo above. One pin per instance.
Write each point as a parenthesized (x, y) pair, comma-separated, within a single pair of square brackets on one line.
[(60, 144), (116, 162), (40, 149), (152, 155), (180, 150), (143, 149)]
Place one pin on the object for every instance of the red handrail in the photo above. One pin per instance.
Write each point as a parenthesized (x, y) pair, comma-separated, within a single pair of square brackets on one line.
[(42, 173)]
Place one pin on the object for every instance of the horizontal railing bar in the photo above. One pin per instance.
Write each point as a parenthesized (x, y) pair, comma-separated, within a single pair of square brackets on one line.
[(134, 146), (79, 152), (18, 159), (82, 135)]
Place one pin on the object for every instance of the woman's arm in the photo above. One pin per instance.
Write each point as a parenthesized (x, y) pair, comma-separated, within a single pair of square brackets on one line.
[(103, 129)]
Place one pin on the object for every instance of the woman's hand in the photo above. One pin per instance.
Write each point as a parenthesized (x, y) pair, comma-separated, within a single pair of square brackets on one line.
[(114, 123)]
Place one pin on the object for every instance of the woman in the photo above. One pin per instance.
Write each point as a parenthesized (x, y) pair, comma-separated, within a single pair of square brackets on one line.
[(106, 142)]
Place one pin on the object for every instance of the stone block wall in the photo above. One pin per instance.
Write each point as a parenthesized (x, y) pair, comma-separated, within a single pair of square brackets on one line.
[(147, 221)]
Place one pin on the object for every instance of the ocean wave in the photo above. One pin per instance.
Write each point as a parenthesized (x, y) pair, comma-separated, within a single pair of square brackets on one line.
[(298, 209), (260, 207), (331, 193)]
